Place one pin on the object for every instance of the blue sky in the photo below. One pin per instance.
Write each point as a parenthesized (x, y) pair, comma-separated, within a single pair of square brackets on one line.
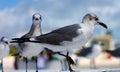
[(8, 3), (16, 15)]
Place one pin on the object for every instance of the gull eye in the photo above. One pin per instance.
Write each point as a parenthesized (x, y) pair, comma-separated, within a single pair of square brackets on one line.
[(90, 18), (33, 17), (40, 17), (96, 18)]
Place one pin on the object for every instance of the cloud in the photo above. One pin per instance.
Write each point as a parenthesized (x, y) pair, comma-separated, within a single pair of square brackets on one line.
[(105, 11), (57, 13), (7, 18), (107, 14)]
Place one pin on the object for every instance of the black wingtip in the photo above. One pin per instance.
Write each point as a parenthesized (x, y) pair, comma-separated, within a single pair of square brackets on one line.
[(14, 42), (35, 41), (20, 38), (107, 51), (16, 38)]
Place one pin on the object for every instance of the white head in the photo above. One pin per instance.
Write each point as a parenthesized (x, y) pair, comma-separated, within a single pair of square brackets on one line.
[(97, 43), (5, 40), (37, 18), (93, 19)]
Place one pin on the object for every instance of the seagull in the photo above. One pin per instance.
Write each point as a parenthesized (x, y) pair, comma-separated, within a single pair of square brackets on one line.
[(90, 52), (115, 53), (68, 37), (27, 49), (4, 49)]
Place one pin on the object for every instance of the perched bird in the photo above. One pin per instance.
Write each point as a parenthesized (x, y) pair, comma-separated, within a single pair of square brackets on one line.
[(29, 50), (4, 49), (68, 37), (90, 52), (115, 53)]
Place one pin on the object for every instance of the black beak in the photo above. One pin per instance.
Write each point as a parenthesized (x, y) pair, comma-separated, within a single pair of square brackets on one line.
[(36, 19), (102, 24)]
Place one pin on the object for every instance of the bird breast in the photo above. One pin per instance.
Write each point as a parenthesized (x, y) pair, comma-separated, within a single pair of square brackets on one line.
[(36, 32), (96, 50), (4, 50), (30, 49), (83, 37)]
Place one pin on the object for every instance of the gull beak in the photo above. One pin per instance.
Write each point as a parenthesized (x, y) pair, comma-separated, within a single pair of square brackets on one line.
[(102, 24)]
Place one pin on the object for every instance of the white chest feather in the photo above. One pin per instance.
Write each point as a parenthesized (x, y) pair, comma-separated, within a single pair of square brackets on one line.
[(31, 49), (36, 31), (4, 50), (84, 36), (95, 52)]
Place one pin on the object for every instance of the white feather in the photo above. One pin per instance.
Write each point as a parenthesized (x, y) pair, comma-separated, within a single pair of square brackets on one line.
[(4, 50)]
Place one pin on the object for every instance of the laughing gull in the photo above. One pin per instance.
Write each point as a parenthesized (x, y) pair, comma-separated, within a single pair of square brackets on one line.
[(68, 37), (90, 52), (4, 49), (115, 53), (27, 49)]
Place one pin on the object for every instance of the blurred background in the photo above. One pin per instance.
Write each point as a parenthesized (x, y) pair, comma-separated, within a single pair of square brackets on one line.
[(16, 20)]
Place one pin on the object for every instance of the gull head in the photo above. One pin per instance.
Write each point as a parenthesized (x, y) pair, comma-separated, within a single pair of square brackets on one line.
[(36, 18), (5, 40), (91, 18), (97, 43)]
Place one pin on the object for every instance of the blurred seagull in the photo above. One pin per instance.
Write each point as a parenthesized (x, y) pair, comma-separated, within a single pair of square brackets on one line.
[(68, 37), (27, 49), (90, 52), (115, 53), (4, 49)]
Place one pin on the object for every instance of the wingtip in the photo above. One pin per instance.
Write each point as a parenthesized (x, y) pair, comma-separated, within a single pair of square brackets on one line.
[(15, 38), (13, 41), (16, 41)]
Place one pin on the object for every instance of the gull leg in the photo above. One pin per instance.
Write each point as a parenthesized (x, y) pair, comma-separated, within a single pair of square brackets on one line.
[(50, 51), (67, 58), (90, 63), (26, 63), (36, 65), (94, 66), (119, 62), (64, 65), (2, 65)]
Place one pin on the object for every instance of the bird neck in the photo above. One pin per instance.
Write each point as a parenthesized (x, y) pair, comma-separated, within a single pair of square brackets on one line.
[(96, 47), (89, 27), (35, 29), (89, 24)]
